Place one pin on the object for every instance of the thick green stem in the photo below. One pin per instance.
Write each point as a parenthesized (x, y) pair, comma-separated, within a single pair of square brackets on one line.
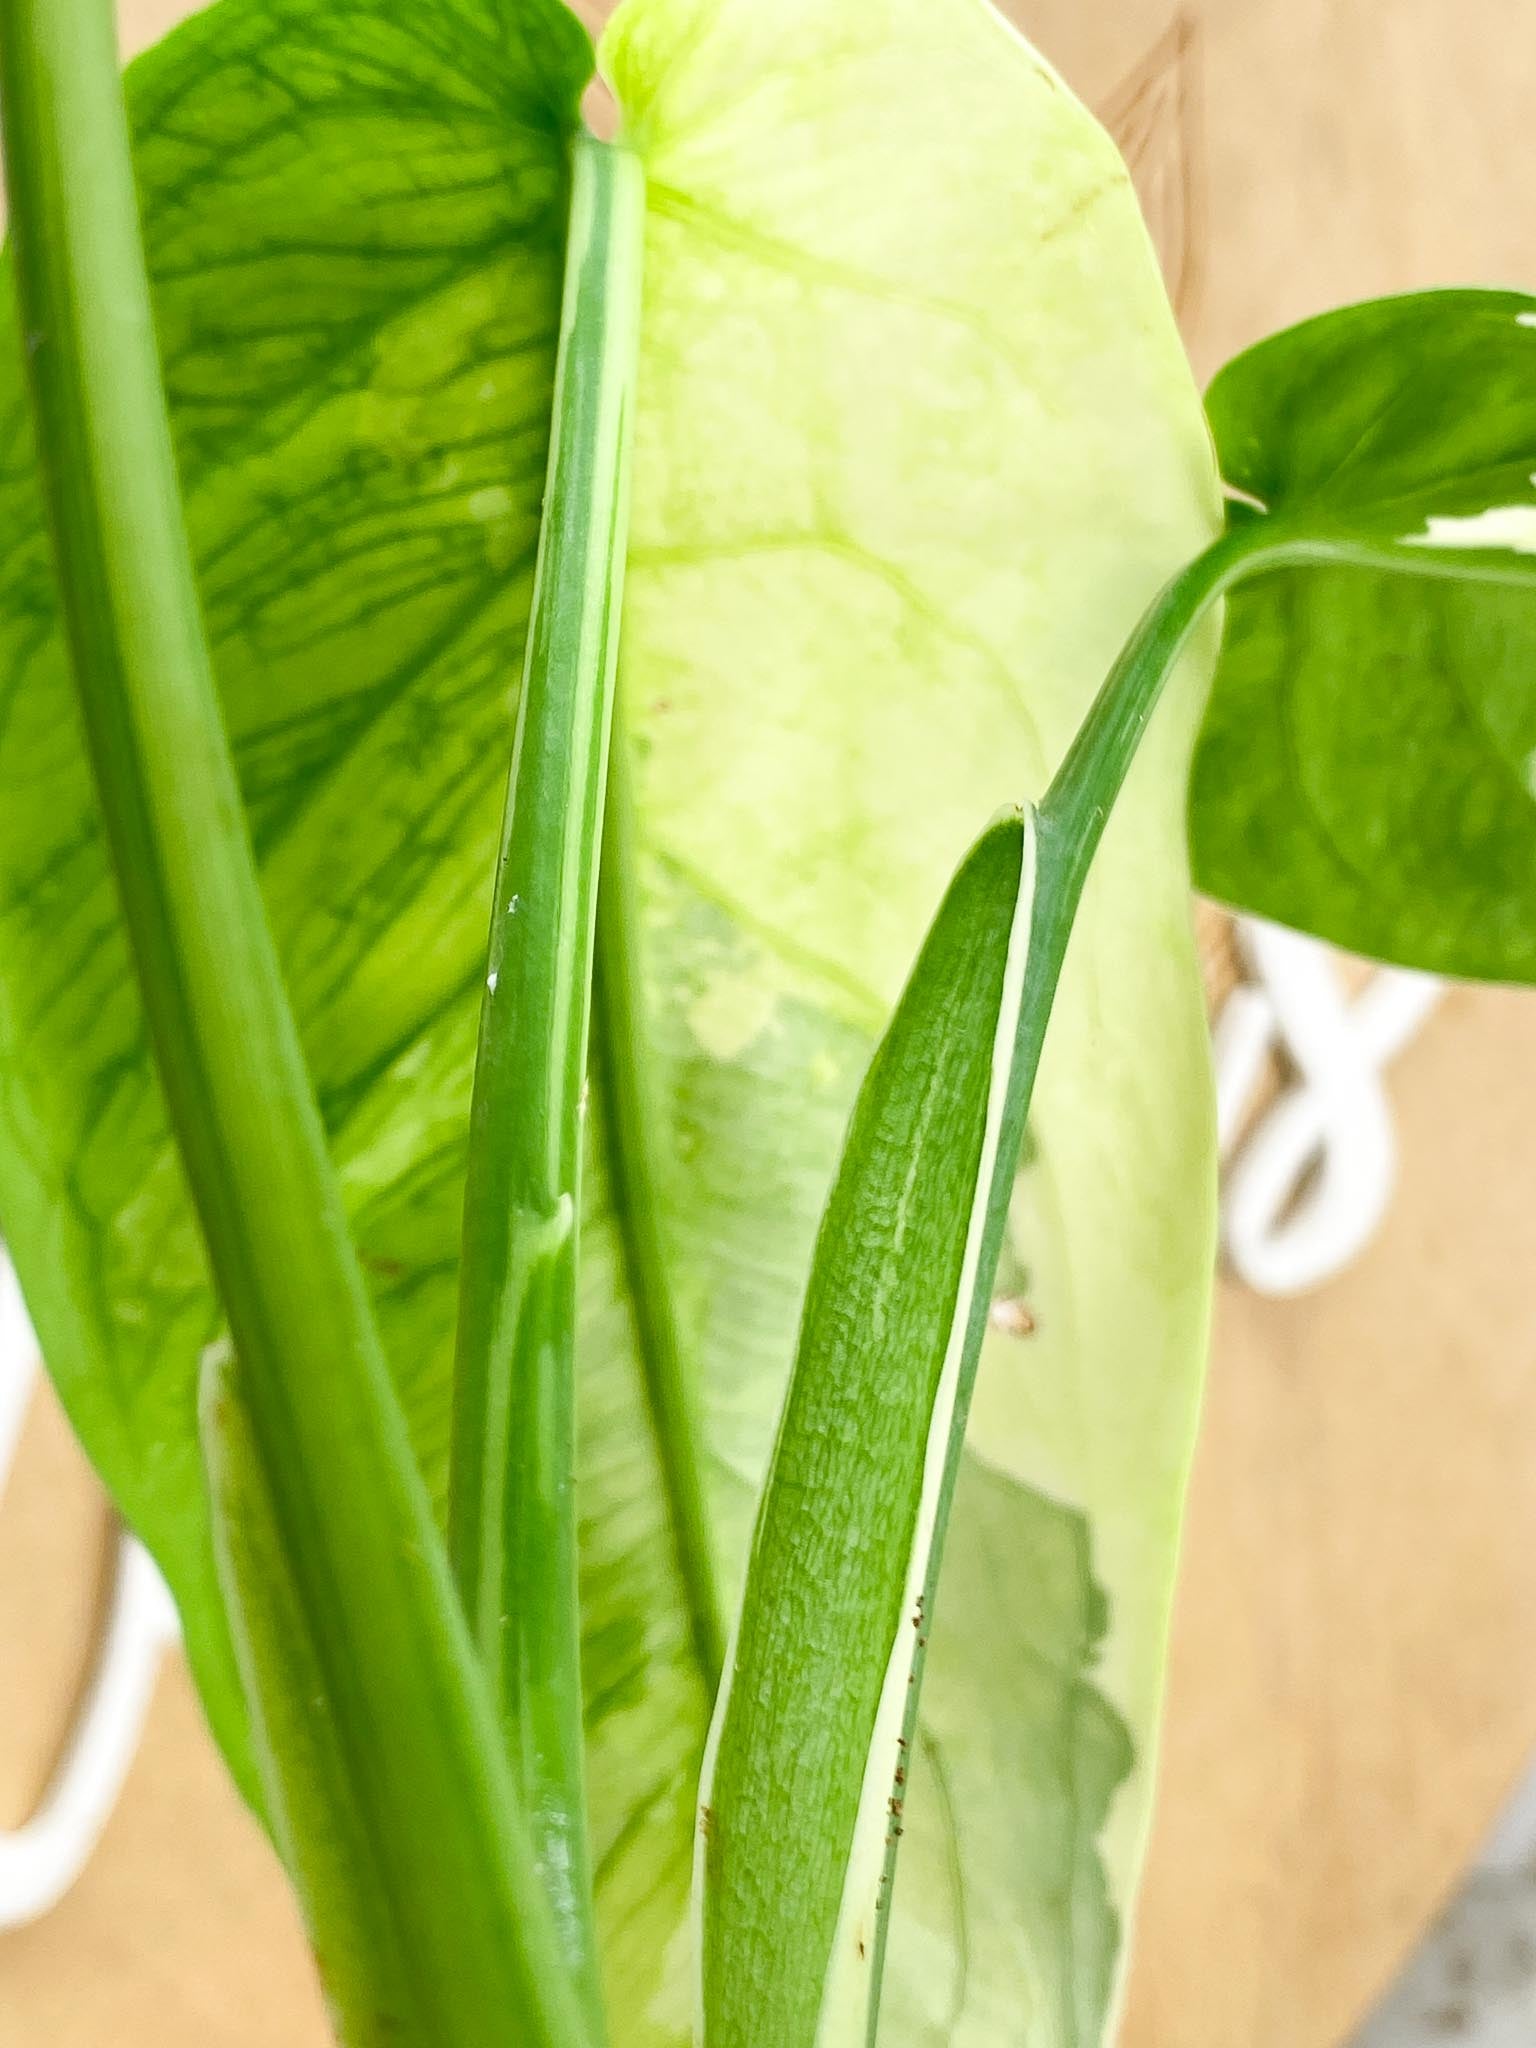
[(632, 1127), (1079, 801), (514, 1536), (448, 1850)]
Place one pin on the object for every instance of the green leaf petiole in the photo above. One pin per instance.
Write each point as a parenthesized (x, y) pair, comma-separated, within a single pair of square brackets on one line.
[(513, 1509)]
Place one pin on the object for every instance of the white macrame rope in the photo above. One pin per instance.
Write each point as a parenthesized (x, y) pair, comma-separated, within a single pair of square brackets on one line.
[(1307, 1187), (41, 1860)]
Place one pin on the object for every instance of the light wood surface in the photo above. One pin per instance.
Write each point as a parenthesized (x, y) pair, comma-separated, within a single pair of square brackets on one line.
[(1354, 1675), (180, 1934), (1354, 1670)]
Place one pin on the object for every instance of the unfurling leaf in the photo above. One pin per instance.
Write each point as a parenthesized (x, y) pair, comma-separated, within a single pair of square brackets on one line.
[(804, 1786)]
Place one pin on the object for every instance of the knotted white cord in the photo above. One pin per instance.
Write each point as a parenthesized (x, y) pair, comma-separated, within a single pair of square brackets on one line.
[(1307, 1187)]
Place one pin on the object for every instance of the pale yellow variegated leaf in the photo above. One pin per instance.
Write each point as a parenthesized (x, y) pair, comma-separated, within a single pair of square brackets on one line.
[(916, 445)]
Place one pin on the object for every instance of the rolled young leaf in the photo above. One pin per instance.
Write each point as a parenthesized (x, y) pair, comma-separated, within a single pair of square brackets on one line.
[(818, 1715), (803, 1786), (512, 1490), (1367, 769)]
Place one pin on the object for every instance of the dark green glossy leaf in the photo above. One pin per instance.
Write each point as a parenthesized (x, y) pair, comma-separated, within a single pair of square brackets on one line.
[(1368, 765)]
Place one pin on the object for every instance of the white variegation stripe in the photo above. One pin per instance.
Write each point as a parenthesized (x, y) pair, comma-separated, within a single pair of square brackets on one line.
[(1510, 527), (851, 1983), (701, 1824)]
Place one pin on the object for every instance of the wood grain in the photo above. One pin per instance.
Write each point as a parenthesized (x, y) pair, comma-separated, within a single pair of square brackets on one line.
[(1354, 1673)]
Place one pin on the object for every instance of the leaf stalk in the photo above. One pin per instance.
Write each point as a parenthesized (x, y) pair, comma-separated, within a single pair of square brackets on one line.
[(513, 1494)]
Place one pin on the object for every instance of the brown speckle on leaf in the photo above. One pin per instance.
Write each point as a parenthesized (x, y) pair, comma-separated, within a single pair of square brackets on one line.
[(1012, 1317)]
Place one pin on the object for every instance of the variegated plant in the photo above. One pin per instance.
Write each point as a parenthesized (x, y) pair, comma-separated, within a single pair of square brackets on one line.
[(833, 424)]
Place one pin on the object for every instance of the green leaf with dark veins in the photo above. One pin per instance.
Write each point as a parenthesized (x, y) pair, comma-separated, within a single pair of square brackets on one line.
[(382, 1749), (355, 222), (1368, 765)]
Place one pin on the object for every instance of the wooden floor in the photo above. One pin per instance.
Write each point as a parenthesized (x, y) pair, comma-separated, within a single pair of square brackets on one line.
[(1354, 1680)]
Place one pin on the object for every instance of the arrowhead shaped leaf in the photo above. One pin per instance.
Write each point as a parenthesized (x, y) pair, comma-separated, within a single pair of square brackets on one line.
[(916, 444)]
